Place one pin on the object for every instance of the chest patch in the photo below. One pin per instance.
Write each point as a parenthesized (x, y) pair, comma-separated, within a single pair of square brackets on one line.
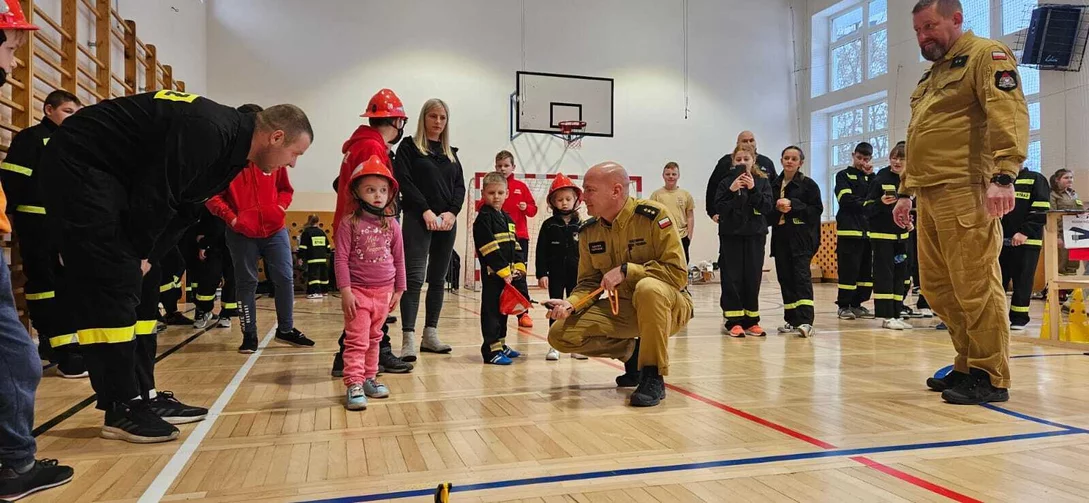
[(632, 243), (959, 62), (1005, 80), (597, 247)]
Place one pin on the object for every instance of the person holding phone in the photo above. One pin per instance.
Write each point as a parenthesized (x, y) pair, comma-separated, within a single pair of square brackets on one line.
[(889, 243)]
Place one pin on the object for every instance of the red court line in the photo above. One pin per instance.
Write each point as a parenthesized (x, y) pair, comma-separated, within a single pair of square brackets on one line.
[(888, 470)]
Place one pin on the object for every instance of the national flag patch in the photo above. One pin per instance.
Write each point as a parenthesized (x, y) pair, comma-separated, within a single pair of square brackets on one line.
[(664, 223), (999, 56)]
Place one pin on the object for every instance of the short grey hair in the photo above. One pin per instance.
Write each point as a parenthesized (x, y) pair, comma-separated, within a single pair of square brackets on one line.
[(945, 7), (287, 118)]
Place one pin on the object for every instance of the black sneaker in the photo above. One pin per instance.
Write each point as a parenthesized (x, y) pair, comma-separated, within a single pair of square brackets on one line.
[(651, 389), (174, 412), (249, 343), (950, 381), (45, 474), (177, 318), (294, 338), (338, 365), (975, 390), (388, 362), (71, 366), (136, 423), (391, 320), (630, 377)]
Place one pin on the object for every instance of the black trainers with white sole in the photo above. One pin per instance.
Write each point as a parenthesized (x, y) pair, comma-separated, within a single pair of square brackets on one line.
[(45, 474), (294, 338), (136, 423), (173, 411)]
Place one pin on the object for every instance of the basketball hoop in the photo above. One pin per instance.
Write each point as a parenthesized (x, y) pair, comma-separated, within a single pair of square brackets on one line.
[(569, 131)]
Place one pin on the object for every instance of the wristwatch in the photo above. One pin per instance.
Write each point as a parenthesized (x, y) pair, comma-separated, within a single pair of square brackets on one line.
[(624, 269), (1002, 179)]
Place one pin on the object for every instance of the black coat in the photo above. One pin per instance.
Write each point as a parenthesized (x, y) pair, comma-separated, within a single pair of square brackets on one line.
[(852, 187), (801, 229), (428, 181), (880, 224), (725, 164), (744, 212), (558, 248)]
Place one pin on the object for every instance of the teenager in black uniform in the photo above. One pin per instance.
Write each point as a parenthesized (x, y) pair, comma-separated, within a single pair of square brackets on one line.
[(214, 266), (116, 176), (1023, 231), (889, 243), (313, 256), (744, 199), (558, 246), (501, 255), (172, 267), (19, 173), (795, 238), (853, 253)]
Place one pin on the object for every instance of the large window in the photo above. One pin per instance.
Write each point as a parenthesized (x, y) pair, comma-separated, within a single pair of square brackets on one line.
[(1016, 15), (1030, 83), (868, 122), (858, 44)]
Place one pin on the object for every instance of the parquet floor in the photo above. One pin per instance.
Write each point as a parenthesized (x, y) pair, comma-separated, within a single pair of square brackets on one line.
[(843, 416)]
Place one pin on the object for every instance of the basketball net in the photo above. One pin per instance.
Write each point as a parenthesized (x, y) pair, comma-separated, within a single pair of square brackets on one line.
[(570, 132), (538, 185)]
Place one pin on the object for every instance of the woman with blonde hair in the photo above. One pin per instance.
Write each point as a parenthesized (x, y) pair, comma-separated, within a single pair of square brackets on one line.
[(432, 194)]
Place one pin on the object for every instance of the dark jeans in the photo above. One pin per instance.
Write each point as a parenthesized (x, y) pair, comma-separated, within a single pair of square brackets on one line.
[(427, 257), (685, 241), (20, 372), (276, 250)]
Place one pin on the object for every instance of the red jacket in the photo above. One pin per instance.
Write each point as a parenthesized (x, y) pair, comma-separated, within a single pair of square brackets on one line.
[(259, 201), (365, 142), (517, 192)]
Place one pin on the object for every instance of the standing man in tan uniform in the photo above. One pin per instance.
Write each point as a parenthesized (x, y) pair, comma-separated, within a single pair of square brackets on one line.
[(630, 247), (966, 142)]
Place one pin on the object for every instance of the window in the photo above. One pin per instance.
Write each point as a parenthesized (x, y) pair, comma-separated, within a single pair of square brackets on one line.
[(868, 122), (977, 17), (858, 39), (1030, 84), (1016, 15)]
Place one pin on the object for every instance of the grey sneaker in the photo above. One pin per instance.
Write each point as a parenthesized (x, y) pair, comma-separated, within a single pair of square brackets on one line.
[(862, 312), (202, 320), (375, 389), (805, 331), (846, 313), (786, 328)]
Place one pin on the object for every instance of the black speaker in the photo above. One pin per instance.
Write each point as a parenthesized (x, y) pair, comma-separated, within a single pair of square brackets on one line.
[(1052, 34)]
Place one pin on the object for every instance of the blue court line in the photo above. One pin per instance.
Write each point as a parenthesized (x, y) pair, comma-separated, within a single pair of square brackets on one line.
[(552, 479), (1054, 354), (1034, 419)]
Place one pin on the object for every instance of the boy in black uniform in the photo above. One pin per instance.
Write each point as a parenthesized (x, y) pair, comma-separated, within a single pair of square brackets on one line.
[(314, 257), (501, 255), (116, 176), (853, 253), (1023, 230), (19, 173), (214, 265), (173, 267), (558, 246), (889, 242)]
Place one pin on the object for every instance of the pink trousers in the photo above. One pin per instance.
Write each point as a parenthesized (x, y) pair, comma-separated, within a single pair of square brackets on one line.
[(364, 333)]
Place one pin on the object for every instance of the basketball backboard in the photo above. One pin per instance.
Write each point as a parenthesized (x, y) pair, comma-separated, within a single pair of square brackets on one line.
[(543, 100)]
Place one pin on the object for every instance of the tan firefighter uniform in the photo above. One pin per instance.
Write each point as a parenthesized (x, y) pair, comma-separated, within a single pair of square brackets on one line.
[(654, 302), (969, 121)]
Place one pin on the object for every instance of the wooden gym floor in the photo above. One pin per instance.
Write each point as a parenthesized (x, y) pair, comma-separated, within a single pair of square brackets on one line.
[(843, 416)]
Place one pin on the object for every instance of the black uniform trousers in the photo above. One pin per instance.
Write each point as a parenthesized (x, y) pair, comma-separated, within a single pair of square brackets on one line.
[(522, 284), (56, 335), (1019, 264), (889, 277), (101, 282), (796, 284), (743, 267), (217, 265), (560, 285), (913, 257), (493, 324), (854, 259), (685, 241), (147, 338), (317, 276), (173, 267)]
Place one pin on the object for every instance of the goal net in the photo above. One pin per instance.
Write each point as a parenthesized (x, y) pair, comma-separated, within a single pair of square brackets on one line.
[(538, 185)]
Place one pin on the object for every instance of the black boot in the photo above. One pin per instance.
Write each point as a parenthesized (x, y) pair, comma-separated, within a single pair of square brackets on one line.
[(630, 378), (975, 390), (388, 362), (651, 389), (338, 359)]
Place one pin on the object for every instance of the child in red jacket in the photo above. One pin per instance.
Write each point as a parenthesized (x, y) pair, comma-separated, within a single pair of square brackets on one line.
[(520, 206)]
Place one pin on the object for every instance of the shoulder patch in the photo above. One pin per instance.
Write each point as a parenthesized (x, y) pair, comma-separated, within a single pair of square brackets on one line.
[(648, 211), (1005, 80), (587, 223), (959, 62), (665, 223), (999, 56)]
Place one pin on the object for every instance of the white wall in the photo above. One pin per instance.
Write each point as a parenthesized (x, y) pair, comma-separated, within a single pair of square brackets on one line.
[(331, 55), (177, 30)]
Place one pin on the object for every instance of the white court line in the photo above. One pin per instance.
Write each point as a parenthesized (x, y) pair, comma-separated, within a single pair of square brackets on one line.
[(174, 467)]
